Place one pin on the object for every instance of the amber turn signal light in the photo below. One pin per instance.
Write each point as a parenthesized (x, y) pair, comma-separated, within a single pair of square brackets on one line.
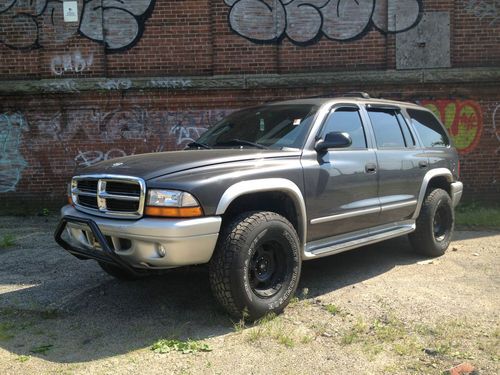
[(173, 211)]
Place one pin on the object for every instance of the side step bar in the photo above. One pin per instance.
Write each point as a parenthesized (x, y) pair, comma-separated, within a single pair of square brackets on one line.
[(337, 245)]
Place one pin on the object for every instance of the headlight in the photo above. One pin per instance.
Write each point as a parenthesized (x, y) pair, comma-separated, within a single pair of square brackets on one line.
[(172, 203)]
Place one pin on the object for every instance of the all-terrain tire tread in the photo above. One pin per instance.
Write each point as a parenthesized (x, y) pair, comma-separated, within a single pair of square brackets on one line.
[(421, 242), (232, 240)]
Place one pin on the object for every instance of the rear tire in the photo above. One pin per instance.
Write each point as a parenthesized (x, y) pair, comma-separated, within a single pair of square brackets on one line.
[(117, 272), (435, 225), (256, 265)]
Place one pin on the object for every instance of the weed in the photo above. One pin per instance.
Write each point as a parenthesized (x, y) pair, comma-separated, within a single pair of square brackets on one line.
[(185, 347), (294, 300), (23, 358), (239, 326), (255, 334), (353, 335), (41, 349), (306, 339), (286, 340), (7, 240), (332, 309)]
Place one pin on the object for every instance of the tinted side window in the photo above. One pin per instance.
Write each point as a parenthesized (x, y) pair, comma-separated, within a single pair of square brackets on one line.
[(429, 129), (386, 128), (347, 120)]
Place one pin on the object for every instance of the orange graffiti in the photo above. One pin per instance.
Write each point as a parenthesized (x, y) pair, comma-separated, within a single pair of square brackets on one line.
[(462, 118)]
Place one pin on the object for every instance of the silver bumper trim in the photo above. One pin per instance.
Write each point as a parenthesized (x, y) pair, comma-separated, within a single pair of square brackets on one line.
[(185, 241)]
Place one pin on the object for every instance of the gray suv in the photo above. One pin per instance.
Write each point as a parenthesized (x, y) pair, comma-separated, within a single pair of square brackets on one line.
[(265, 189)]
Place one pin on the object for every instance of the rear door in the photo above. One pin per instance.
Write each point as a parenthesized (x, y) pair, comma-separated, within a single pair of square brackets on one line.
[(341, 184), (401, 164)]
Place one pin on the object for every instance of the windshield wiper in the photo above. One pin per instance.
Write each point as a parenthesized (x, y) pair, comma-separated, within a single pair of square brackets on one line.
[(246, 143), (199, 145)]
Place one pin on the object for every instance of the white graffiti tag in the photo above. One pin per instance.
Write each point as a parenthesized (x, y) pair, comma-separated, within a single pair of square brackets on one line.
[(75, 63), (485, 9), (88, 158)]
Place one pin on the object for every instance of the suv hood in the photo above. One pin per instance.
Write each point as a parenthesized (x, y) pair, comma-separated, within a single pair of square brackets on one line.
[(152, 165)]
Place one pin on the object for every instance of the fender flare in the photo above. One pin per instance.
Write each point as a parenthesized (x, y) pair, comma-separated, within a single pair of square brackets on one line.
[(268, 184), (438, 172)]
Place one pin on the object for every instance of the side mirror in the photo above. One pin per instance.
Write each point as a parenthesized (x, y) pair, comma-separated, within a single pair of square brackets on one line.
[(334, 140)]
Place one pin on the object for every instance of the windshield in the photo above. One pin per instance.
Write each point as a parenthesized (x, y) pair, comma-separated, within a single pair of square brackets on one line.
[(272, 126)]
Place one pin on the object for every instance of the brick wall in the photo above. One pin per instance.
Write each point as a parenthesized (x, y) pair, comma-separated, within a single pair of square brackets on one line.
[(151, 75)]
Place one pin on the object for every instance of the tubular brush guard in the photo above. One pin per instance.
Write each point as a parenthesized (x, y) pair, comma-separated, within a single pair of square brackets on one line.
[(106, 255)]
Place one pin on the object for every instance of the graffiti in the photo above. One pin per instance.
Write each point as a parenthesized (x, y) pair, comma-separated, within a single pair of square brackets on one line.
[(462, 118), (118, 24), (88, 158), (485, 9), (62, 85), (306, 21), (171, 83), (71, 63), (186, 134), (12, 162), (496, 130), (115, 84), (59, 141)]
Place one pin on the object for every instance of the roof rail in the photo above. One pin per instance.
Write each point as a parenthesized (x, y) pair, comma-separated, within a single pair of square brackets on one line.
[(354, 94)]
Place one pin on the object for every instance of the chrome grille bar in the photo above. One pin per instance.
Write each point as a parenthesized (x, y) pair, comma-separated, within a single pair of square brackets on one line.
[(125, 200)]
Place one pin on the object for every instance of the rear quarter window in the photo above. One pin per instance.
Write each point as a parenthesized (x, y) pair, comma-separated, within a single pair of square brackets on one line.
[(429, 129)]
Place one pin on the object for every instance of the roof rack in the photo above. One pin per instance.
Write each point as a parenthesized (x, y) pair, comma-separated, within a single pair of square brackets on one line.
[(354, 94)]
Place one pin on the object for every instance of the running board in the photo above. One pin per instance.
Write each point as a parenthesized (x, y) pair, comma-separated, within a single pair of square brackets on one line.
[(335, 245)]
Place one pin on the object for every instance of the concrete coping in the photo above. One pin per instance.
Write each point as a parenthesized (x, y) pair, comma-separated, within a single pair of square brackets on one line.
[(253, 81)]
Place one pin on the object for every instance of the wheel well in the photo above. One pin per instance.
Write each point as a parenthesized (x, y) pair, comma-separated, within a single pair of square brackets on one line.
[(274, 201), (440, 182)]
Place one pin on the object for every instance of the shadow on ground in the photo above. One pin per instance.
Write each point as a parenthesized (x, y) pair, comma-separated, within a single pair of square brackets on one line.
[(70, 311)]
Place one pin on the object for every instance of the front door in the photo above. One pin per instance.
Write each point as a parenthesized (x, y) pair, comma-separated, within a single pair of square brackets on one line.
[(341, 184)]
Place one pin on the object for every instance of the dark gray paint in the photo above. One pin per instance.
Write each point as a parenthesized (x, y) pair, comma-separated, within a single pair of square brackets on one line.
[(332, 183)]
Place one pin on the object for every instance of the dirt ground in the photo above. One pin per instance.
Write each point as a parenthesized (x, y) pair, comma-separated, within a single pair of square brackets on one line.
[(376, 310)]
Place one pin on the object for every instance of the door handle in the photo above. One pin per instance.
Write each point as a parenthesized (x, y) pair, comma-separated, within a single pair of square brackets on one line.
[(422, 164), (370, 168)]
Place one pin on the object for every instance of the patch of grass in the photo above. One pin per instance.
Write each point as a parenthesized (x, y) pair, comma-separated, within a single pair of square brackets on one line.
[(334, 310), (185, 347), (285, 340), (41, 349), (7, 240), (23, 358), (478, 216), (274, 328), (354, 334), (6, 331)]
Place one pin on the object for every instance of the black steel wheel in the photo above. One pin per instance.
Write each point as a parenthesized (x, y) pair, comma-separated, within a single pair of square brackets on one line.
[(256, 265), (435, 224)]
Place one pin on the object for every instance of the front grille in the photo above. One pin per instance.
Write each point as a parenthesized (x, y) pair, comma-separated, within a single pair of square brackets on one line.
[(90, 202), (109, 195)]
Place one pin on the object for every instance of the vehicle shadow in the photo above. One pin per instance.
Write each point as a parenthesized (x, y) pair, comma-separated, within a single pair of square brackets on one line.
[(115, 318)]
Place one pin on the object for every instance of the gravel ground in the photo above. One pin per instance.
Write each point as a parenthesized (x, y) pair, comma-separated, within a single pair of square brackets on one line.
[(376, 310)]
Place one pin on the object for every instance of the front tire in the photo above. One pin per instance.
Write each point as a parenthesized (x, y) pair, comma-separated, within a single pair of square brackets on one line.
[(256, 266), (435, 225)]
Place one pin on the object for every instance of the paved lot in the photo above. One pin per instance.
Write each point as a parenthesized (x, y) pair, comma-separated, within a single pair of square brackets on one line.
[(380, 309)]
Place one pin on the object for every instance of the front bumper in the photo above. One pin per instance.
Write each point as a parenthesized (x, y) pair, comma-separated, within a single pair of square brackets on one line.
[(138, 243), (457, 189)]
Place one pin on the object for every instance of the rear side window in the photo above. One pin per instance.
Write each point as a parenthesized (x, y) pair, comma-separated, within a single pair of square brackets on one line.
[(387, 129), (346, 119), (429, 129)]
